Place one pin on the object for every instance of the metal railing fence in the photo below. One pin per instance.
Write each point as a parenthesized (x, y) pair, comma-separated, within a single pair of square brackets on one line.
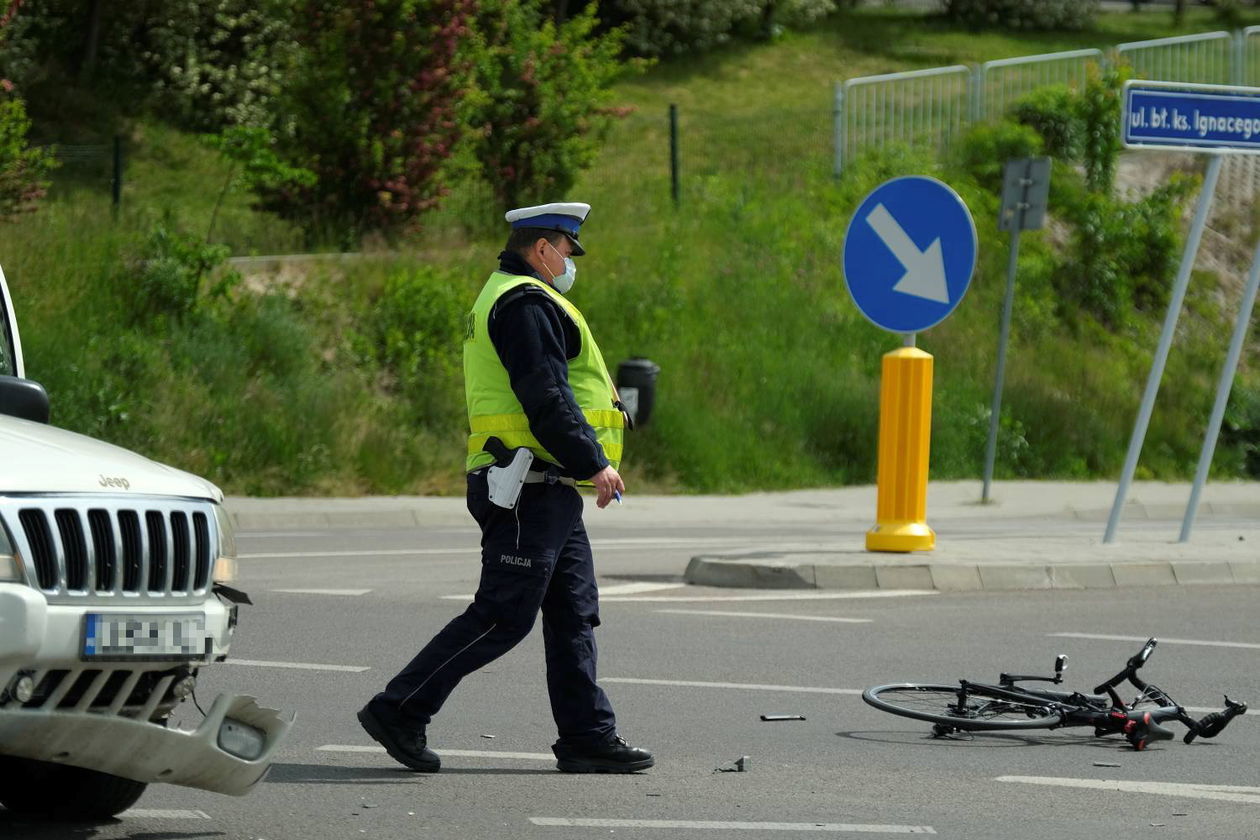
[(1210, 58), (920, 108), (923, 104), (1249, 59), (1000, 83)]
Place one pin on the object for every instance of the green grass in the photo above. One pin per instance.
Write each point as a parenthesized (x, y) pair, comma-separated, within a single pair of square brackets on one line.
[(770, 376)]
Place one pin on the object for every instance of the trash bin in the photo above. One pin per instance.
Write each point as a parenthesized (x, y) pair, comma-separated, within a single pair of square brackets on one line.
[(636, 382)]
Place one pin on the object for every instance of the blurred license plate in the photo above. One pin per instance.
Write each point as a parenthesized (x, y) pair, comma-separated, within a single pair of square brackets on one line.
[(114, 636)]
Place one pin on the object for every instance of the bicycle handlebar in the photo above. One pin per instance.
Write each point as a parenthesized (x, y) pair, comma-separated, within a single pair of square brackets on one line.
[(1211, 725), (1130, 669)]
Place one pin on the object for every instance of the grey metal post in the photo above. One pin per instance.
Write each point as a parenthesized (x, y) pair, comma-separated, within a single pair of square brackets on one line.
[(673, 153), (837, 128), (1165, 342), (990, 452), (116, 184), (1237, 56), (1222, 394), (977, 94)]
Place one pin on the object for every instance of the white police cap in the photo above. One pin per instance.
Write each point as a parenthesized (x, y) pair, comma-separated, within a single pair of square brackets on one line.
[(564, 216)]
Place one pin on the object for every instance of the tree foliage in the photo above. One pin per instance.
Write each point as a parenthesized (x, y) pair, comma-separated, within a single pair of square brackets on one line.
[(218, 63), (377, 108), (543, 98), (672, 27), (1022, 14), (15, 47)]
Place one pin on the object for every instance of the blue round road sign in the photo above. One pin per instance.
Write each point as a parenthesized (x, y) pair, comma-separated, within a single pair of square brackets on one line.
[(909, 253)]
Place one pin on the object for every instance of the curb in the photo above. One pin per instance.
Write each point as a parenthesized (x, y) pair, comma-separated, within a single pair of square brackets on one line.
[(769, 573)]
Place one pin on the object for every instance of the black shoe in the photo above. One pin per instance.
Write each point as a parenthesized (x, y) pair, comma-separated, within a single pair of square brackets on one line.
[(406, 745), (615, 756)]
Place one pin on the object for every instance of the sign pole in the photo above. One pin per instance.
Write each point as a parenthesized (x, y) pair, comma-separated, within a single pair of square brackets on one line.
[(1165, 342), (1004, 334), (1222, 394), (1025, 193)]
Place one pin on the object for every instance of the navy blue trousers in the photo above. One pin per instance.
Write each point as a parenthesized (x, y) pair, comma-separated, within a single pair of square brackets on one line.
[(536, 557)]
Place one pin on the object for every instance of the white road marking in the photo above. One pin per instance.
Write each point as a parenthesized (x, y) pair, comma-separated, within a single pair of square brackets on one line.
[(323, 591), (526, 756), (1162, 640), (597, 545), (290, 534), (636, 588), (1224, 793), (787, 616), (163, 814), (780, 595), (748, 686), (725, 825), (384, 552), (304, 666)]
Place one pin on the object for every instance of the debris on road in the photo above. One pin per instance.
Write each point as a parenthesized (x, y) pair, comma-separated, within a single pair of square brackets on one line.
[(739, 765), (782, 717)]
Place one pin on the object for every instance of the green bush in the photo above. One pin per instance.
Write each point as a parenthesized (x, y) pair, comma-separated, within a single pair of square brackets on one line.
[(1051, 111), (984, 149), (541, 112), (173, 274), (672, 27), (1123, 253), (413, 329), (1240, 429), (1022, 14), (657, 28), (1099, 110), (23, 168)]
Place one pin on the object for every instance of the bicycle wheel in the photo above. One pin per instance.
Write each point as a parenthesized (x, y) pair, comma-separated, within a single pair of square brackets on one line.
[(985, 709)]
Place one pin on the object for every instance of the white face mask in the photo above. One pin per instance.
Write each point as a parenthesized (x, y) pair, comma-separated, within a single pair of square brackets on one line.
[(562, 283)]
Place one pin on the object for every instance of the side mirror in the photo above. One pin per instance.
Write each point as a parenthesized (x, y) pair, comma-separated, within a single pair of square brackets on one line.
[(24, 399)]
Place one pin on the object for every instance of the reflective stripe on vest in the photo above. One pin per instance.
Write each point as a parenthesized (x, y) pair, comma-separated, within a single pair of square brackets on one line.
[(494, 410)]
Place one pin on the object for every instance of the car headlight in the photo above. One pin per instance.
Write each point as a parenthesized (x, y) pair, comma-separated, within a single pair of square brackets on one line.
[(225, 561), (10, 566)]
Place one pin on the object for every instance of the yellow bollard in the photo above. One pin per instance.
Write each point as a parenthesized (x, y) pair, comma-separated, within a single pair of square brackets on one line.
[(905, 432)]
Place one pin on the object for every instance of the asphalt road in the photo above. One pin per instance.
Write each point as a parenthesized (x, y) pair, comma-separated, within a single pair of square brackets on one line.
[(690, 671)]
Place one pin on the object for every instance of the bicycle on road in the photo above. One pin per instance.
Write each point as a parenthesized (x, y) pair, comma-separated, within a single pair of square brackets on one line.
[(979, 707)]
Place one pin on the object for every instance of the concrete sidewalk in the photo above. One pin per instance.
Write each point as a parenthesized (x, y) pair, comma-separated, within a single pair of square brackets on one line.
[(1033, 535)]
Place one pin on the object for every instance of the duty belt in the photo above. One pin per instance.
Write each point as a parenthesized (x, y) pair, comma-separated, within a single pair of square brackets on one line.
[(548, 477)]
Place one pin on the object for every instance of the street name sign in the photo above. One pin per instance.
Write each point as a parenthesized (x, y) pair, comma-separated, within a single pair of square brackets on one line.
[(1190, 117), (909, 253)]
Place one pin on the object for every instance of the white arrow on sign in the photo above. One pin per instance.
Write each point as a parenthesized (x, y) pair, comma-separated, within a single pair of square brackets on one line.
[(925, 270)]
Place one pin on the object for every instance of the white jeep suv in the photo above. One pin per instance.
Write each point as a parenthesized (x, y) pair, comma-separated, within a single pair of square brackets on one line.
[(111, 601)]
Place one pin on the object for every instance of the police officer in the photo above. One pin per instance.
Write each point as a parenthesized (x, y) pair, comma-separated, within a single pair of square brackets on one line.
[(534, 379)]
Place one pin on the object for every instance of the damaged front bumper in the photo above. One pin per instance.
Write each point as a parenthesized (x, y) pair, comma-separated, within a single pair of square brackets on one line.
[(229, 752)]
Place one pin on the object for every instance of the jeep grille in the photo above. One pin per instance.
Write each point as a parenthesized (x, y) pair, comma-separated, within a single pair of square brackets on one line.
[(93, 547)]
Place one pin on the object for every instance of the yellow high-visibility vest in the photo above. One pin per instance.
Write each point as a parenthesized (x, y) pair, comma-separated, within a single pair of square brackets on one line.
[(494, 411)]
